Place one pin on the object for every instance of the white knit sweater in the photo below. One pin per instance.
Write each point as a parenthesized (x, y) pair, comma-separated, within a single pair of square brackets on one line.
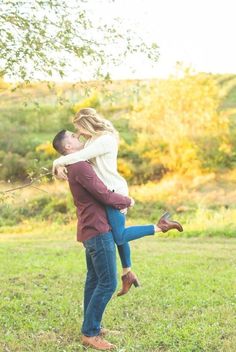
[(102, 152)]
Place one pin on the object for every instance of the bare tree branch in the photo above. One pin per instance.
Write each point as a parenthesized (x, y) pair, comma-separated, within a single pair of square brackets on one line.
[(34, 180)]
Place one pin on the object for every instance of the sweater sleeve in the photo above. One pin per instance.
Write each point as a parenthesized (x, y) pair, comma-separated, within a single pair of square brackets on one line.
[(87, 177), (99, 146)]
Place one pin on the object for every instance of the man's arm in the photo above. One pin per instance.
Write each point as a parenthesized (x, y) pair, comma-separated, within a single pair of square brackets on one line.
[(87, 177)]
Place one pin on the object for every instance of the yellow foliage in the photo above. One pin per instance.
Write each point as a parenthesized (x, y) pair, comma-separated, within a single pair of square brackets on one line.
[(180, 190), (124, 169), (91, 101), (4, 85), (177, 118), (46, 148), (225, 148)]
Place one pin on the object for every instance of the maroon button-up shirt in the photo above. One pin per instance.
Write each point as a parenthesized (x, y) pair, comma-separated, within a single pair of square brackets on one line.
[(90, 196)]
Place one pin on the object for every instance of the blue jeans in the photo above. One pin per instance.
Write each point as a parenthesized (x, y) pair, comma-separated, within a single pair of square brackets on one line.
[(101, 280), (122, 235)]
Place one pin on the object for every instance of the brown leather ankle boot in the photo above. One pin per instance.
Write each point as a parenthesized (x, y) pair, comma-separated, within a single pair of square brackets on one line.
[(128, 280), (165, 224)]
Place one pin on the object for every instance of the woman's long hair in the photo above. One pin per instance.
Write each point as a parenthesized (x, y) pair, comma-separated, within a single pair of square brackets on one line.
[(92, 122)]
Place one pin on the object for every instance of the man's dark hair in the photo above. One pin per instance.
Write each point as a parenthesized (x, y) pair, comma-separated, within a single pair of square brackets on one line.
[(58, 142)]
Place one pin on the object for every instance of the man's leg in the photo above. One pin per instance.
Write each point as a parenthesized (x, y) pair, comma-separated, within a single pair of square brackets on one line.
[(102, 252), (91, 281)]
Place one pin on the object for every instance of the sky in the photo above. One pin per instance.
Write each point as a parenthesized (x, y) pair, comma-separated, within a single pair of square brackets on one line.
[(199, 33)]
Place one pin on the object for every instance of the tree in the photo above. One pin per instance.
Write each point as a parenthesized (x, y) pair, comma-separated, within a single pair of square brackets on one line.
[(41, 38)]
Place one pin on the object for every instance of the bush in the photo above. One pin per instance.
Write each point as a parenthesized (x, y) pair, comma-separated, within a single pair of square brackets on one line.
[(9, 215), (13, 166), (50, 207)]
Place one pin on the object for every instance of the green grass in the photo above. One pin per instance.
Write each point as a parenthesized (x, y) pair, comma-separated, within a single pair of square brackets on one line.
[(186, 302)]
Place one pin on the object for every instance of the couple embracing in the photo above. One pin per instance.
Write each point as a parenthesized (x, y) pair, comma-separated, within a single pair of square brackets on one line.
[(100, 195)]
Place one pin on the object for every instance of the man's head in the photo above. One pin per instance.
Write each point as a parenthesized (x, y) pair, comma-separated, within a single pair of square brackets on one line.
[(66, 142)]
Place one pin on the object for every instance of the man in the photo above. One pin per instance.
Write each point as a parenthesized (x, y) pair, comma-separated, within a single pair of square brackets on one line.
[(90, 195)]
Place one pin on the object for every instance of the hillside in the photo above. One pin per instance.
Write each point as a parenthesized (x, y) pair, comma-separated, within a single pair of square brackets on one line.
[(30, 116)]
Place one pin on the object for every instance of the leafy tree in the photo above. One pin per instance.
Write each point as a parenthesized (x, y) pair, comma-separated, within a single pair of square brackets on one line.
[(41, 38)]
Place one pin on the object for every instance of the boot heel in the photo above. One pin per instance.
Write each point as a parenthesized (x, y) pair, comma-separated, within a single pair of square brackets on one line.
[(136, 283)]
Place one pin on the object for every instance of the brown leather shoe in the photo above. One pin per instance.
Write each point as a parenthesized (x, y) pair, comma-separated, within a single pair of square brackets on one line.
[(128, 280), (97, 342), (165, 224)]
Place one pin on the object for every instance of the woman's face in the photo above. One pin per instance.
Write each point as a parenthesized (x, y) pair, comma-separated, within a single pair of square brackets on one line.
[(82, 131)]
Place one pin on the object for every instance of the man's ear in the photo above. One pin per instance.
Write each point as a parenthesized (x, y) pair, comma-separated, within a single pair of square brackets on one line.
[(67, 147)]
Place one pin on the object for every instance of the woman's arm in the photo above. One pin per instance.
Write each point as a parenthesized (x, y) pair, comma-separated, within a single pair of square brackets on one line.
[(99, 146)]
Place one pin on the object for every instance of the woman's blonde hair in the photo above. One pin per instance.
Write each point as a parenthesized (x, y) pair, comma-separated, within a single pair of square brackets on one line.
[(92, 122)]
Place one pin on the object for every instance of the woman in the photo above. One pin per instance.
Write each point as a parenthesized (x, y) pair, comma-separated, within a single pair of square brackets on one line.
[(101, 148)]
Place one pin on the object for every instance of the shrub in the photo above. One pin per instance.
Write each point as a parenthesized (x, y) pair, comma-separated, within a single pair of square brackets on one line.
[(179, 126), (47, 149), (9, 215), (13, 167), (51, 207)]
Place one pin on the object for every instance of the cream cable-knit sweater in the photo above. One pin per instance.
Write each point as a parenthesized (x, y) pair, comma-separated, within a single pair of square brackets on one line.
[(102, 152)]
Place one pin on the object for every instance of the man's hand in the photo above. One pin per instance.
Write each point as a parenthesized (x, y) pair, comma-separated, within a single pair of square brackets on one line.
[(60, 172), (124, 211)]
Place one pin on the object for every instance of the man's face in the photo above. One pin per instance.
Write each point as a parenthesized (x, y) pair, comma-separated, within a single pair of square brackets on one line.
[(72, 143)]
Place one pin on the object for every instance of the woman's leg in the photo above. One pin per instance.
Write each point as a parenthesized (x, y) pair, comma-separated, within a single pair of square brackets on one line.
[(125, 256), (124, 234), (117, 226), (121, 236)]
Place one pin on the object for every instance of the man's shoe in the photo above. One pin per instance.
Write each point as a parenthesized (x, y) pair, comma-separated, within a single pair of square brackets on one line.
[(97, 342), (165, 224), (128, 280)]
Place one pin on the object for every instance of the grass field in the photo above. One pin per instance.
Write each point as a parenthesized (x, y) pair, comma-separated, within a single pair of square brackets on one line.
[(186, 303)]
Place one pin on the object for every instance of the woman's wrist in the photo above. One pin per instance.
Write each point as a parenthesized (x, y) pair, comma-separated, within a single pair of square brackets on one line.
[(58, 162)]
